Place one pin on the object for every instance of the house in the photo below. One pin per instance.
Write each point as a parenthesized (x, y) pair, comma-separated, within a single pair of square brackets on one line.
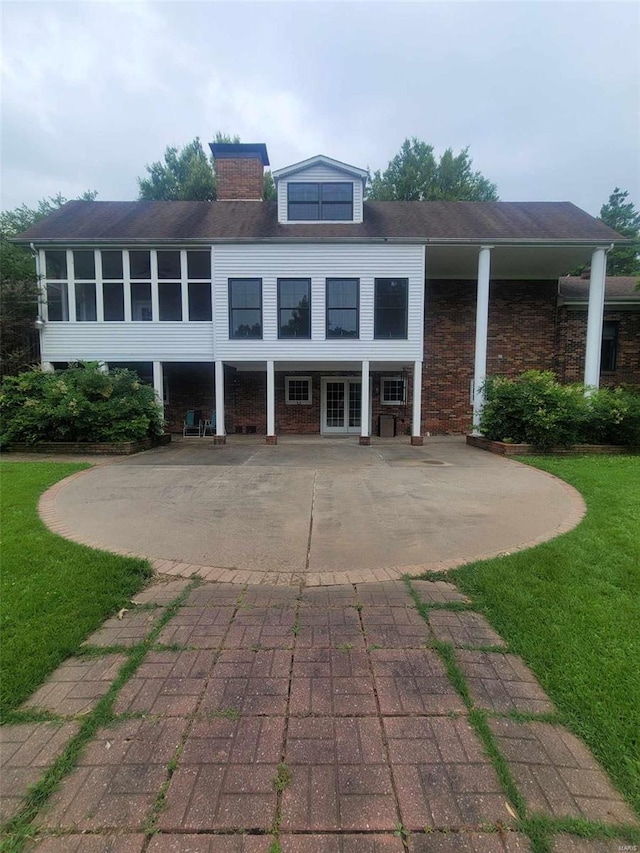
[(323, 312)]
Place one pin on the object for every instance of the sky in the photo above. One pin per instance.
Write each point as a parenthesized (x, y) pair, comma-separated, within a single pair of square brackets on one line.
[(545, 94)]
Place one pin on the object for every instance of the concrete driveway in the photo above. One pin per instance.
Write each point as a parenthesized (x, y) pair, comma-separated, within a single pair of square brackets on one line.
[(316, 511)]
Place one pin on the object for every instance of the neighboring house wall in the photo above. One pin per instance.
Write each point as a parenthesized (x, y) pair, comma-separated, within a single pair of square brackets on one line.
[(572, 326), (521, 337)]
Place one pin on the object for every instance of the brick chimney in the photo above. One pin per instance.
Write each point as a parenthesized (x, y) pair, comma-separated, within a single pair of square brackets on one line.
[(239, 170)]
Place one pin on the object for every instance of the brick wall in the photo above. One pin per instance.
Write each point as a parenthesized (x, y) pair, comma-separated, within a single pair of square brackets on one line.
[(521, 335), (239, 179), (190, 386), (572, 332)]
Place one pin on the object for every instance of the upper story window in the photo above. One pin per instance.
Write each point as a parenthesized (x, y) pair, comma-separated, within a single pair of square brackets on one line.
[(310, 202), (609, 351), (391, 302), (294, 307), (342, 307), (245, 308)]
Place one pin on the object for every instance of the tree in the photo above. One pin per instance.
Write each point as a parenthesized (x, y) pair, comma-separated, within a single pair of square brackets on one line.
[(415, 174), (188, 174), (621, 215), (19, 285)]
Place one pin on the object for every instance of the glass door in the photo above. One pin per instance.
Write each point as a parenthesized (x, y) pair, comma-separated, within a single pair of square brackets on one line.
[(341, 405)]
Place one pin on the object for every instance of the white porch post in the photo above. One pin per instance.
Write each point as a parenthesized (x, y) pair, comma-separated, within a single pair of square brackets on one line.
[(365, 430), (482, 324), (158, 383), (219, 437), (594, 318), (416, 435), (271, 403)]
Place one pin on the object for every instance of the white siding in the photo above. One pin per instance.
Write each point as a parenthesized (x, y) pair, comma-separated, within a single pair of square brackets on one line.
[(320, 173), (318, 262), (127, 342)]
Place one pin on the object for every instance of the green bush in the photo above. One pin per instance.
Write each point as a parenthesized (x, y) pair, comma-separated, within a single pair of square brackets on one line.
[(534, 408), (78, 404), (614, 416)]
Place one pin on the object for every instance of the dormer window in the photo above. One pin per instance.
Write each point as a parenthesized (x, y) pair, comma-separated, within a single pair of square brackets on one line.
[(311, 202)]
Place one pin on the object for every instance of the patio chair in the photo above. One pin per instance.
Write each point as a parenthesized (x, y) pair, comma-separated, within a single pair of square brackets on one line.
[(192, 424), (210, 425)]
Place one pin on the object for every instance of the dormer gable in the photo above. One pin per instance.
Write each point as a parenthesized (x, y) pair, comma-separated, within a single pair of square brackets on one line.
[(320, 190)]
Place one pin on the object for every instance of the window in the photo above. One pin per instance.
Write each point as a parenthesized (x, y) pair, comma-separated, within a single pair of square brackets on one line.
[(320, 201), (84, 266), (56, 264), (170, 300), (342, 307), (294, 308), (57, 301), (392, 391), (141, 301), (85, 302), (140, 264), (391, 308), (199, 265), (112, 264), (609, 351), (200, 300), (297, 390), (245, 308), (169, 264), (113, 300)]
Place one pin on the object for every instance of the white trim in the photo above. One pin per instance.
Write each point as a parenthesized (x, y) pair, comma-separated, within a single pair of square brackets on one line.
[(319, 160), (309, 381)]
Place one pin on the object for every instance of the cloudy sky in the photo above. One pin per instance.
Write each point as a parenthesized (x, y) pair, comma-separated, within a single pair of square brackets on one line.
[(545, 94)]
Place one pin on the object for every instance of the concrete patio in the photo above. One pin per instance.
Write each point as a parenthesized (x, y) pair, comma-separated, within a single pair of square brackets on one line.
[(311, 510)]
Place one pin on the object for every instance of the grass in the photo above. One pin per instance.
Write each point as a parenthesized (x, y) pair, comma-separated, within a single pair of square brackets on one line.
[(571, 608), (54, 592)]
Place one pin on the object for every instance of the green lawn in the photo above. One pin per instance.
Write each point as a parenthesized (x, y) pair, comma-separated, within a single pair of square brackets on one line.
[(571, 608), (53, 592)]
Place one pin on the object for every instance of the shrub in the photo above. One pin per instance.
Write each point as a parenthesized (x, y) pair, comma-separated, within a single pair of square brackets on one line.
[(614, 416), (533, 408), (78, 404)]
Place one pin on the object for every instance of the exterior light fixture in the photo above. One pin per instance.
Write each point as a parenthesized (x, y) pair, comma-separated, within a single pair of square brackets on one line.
[(38, 323)]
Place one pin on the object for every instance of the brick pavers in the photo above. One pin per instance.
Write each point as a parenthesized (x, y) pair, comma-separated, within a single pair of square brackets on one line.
[(557, 774), (26, 750), (502, 682), (168, 683), (442, 776), (463, 629), (131, 629), (76, 686), (413, 681), (332, 682), (325, 718), (117, 778), (199, 627)]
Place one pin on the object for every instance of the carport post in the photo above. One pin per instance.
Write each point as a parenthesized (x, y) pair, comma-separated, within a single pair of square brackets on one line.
[(595, 315), (416, 437), (220, 431), (482, 325), (158, 384), (271, 404), (365, 437)]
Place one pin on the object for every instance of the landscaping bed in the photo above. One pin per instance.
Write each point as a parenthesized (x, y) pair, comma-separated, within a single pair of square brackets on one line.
[(505, 448), (89, 448)]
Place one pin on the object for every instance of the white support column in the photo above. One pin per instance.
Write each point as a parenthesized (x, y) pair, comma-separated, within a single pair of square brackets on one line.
[(271, 403), (482, 325), (365, 429), (220, 431), (416, 434), (155, 297), (158, 385), (594, 318), (97, 260), (71, 287)]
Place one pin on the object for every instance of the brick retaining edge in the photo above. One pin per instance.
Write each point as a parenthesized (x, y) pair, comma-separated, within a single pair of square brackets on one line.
[(503, 448), (90, 448)]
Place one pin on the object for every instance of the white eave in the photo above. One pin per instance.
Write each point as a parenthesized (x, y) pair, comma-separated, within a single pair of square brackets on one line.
[(320, 160)]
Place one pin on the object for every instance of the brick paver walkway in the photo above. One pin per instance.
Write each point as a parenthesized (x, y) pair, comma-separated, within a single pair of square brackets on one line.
[(312, 720)]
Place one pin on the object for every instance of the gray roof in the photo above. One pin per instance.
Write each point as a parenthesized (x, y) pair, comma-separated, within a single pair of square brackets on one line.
[(617, 288), (251, 221)]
